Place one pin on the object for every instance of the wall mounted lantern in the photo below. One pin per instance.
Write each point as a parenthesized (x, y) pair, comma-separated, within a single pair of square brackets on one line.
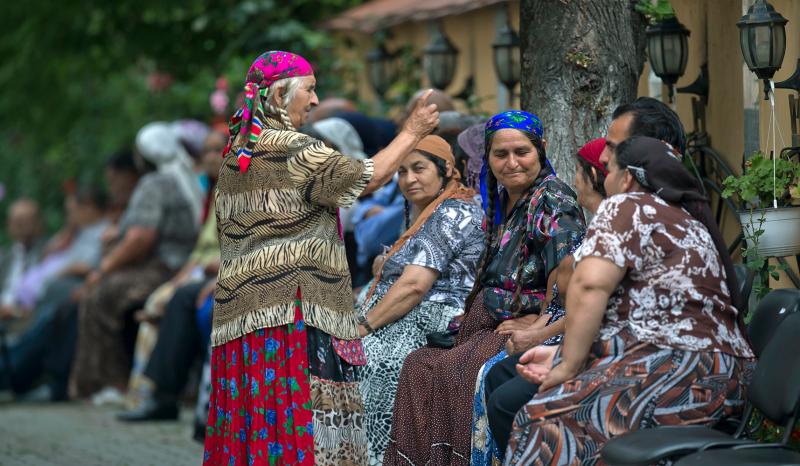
[(668, 51), (762, 36), (439, 59), (507, 57), (380, 69)]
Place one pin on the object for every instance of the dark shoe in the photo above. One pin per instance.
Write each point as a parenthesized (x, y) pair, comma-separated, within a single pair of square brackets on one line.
[(150, 410), (199, 434)]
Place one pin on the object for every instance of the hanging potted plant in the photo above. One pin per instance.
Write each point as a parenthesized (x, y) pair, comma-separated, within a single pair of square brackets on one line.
[(769, 192)]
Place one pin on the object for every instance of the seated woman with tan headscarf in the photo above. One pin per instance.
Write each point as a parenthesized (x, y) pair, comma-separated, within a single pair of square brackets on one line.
[(422, 281)]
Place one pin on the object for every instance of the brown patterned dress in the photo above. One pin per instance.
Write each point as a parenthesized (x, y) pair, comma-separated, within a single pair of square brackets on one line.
[(669, 351)]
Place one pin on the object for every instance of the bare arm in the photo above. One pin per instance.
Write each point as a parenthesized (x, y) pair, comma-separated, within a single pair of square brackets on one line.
[(77, 270), (590, 287), (137, 244), (404, 295), (565, 270), (423, 120), (183, 274)]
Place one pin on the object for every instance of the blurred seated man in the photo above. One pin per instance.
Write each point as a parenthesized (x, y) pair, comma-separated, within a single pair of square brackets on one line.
[(57, 276), (154, 239), (47, 347), (78, 252), (377, 222), (24, 225)]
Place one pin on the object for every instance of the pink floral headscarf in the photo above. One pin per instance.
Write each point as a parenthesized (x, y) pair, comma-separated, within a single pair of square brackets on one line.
[(265, 71)]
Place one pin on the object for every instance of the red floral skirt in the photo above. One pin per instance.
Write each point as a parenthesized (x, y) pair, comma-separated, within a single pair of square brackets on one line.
[(260, 406)]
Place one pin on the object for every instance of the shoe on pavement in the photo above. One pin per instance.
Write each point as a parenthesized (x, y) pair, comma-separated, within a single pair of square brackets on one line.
[(150, 410), (108, 396)]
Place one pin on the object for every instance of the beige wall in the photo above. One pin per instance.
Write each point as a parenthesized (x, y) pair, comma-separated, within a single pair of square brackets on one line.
[(472, 34), (715, 37)]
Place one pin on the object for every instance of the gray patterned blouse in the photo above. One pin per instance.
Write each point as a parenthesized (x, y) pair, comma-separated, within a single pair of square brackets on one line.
[(450, 242)]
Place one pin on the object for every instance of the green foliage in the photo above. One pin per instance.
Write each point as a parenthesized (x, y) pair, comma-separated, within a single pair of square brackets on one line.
[(755, 190), (79, 78), (755, 186), (764, 431), (655, 12)]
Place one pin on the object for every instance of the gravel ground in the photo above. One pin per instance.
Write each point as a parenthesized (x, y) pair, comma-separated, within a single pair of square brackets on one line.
[(80, 434)]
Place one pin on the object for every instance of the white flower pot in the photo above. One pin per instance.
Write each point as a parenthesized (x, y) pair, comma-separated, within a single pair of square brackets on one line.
[(781, 227)]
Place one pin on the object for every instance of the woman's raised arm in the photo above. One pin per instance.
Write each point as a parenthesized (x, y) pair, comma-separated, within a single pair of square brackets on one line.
[(422, 121)]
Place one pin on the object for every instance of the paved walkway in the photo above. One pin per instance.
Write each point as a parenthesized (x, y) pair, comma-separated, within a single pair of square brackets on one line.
[(77, 434)]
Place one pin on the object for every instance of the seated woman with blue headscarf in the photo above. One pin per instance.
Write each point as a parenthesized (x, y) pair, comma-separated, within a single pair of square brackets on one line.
[(531, 225)]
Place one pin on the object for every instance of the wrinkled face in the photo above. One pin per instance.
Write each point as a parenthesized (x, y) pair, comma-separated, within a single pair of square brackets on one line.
[(419, 179), (618, 131), (514, 160), (212, 153), (305, 98)]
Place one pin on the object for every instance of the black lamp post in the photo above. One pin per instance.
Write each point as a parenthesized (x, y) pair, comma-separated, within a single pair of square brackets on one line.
[(762, 36), (439, 59), (506, 57), (668, 51), (380, 69)]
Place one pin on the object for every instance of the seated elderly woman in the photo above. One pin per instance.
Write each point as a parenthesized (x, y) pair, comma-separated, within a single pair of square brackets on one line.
[(652, 337), (539, 222), (500, 392), (424, 278)]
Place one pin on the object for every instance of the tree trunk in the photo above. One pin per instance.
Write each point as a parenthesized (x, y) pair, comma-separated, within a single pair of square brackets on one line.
[(580, 60)]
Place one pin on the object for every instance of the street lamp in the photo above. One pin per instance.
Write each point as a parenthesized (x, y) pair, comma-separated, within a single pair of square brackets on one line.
[(380, 69), (439, 59), (506, 57), (668, 50), (762, 36)]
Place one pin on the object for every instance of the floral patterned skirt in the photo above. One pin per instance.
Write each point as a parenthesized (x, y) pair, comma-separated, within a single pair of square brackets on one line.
[(281, 396)]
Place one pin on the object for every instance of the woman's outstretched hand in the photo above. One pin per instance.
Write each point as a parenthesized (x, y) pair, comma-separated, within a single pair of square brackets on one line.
[(558, 375), (536, 363), (424, 118)]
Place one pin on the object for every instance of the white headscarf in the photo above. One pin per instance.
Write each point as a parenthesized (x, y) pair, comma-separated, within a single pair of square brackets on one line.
[(343, 135), (159, 144)]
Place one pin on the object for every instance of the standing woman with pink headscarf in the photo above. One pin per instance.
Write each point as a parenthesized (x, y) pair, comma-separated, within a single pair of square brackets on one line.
[(285, 335)]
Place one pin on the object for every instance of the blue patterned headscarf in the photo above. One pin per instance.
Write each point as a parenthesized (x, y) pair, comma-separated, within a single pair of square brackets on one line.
[(526, 122)]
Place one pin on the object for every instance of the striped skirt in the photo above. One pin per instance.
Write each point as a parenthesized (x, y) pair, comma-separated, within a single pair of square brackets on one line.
[(628, 385)]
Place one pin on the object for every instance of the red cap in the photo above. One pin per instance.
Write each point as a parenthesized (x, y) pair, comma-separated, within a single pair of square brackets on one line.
[(591, 151)]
